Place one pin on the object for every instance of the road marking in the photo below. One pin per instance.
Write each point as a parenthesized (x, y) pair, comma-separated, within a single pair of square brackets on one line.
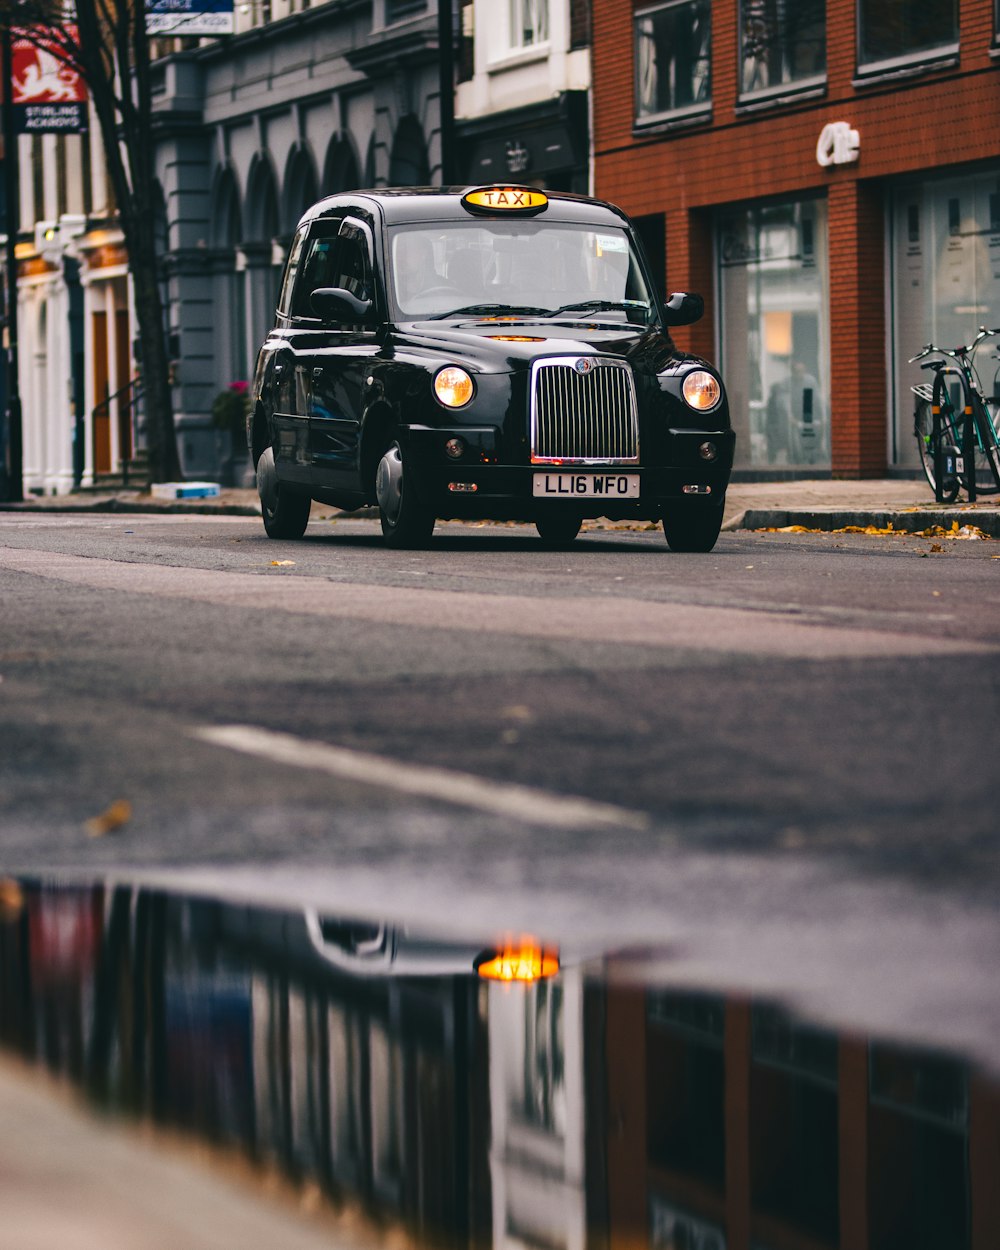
[(609, 620), (523, 803)]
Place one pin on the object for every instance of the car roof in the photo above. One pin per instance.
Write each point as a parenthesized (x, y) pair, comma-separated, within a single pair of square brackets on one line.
[(398, 205)]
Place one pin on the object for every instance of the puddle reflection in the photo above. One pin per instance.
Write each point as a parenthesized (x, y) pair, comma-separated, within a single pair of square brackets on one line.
[(573, 1112)]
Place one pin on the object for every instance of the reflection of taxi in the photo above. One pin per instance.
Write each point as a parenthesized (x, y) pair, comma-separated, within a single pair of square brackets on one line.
[(498, 354)]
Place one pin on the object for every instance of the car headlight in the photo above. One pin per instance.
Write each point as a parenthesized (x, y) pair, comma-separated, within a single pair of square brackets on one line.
[(453, 387), (701, 390)]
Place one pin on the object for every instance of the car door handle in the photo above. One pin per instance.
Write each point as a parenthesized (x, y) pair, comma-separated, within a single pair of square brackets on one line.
[(318, 371)]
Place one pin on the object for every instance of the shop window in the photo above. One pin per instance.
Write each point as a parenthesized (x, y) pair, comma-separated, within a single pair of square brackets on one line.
[(945, 257), (774, 300), (782, 44), (890, 31), (673, 60), (529, 23)]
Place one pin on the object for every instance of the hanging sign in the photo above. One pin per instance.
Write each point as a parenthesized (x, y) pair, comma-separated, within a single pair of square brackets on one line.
[(189, 17), (49, 96)]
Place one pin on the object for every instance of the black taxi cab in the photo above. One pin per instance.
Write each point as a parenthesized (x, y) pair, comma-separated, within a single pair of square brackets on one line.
[(490, 353)]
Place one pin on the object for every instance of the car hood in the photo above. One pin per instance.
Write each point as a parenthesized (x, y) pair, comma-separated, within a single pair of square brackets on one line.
[(510, 344)]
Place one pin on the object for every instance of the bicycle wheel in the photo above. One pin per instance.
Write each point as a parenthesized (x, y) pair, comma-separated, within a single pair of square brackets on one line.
[(923, 429), (987, 450)]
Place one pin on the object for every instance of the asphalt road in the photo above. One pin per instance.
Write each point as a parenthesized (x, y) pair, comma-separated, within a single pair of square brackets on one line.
[(777, 762)]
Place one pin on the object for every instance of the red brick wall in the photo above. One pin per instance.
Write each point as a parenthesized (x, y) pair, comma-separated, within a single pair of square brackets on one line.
[(857, 330), (919, 124)]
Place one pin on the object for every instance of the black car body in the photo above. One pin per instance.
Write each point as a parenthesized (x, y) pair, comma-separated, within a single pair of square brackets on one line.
[(493, 353)]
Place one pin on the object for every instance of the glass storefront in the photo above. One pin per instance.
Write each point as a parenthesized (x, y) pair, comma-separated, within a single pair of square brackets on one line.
[(775, 343), (945, 251)]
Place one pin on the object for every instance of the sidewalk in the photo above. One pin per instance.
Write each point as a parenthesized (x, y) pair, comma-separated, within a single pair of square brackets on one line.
[(821, 504)]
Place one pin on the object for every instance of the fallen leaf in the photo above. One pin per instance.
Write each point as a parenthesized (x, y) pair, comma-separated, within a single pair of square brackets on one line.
[(936, 547), (118, 814), (282, 563), (11, 899)]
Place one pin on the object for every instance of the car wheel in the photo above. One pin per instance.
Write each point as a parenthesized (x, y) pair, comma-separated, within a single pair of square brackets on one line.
[(692, 529), (285, 513), (405, 521), (558, 531)]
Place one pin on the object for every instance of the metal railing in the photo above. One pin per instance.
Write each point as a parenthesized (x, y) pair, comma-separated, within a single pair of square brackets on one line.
[(125, 407)]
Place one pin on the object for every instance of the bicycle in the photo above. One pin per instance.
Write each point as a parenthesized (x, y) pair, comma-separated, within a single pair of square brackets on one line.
[(953, 430)]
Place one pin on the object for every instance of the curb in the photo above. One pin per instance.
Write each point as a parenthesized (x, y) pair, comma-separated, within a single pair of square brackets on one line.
[(197, 507), (827, 519)]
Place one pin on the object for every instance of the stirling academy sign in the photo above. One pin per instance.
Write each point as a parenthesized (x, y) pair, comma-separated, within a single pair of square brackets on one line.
[(49, 96)]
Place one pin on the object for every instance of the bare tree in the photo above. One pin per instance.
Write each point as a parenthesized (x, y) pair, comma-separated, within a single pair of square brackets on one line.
[(106, 42)]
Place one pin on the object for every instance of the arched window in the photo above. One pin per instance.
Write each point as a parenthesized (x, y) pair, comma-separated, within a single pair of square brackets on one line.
[(262, 216), (340, 170), (408, 165), (301, 189)]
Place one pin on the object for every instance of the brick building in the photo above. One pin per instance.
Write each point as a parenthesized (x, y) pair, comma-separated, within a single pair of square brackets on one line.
[(827, 174)]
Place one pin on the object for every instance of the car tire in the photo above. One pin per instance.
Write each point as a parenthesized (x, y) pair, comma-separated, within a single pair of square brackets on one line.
[(406, 523), (692, 529), (285, 513), (558, 531)]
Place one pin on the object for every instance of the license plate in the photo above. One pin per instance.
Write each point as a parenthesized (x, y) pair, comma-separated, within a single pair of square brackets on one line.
[(586, 485)]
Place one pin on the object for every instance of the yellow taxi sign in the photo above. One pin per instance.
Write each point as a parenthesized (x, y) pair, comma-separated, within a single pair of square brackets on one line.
[(505, 200)]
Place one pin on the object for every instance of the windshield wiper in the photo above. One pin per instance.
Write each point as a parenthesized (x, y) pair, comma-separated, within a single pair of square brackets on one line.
[(595, 305), (501, 309)]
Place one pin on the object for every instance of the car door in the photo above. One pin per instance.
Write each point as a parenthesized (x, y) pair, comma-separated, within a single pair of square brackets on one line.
[(294, 344), (339, 365)]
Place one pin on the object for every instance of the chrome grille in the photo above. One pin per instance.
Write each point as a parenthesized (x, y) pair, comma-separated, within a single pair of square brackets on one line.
[(583, 418)]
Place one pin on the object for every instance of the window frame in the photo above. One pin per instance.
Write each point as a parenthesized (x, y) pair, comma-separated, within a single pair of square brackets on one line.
[(516, 46), (906, 62), (700, 110), (789, 87)]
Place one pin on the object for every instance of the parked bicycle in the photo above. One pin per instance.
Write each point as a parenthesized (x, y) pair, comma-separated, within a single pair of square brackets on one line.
[(957, 425)]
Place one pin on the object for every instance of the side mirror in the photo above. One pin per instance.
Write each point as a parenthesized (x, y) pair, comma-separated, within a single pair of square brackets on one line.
[(683, 309), (334, 303)]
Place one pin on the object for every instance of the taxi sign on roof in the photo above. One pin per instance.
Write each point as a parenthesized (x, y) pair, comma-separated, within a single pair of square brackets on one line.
[(505, 200)]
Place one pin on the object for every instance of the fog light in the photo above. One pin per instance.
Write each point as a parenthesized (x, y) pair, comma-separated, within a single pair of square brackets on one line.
[(708, 451), (463, 488), (455, 447)]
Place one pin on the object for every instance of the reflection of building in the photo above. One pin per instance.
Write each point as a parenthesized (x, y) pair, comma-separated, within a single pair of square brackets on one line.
[(522, 99), (538, 1114), (798, 167), (733, 1128)]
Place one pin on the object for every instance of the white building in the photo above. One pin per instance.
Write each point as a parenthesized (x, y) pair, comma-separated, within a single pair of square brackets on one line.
[(304, 100), (522, 103)]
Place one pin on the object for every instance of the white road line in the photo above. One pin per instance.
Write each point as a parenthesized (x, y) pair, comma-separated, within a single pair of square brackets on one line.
[(522, 803)]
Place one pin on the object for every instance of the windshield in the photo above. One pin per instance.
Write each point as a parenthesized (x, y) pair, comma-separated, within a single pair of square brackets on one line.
[(487, 268)]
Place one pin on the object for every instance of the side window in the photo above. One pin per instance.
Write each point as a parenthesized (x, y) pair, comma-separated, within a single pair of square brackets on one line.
[(353, 271), (351, 268), (316, 266), (291, 270)]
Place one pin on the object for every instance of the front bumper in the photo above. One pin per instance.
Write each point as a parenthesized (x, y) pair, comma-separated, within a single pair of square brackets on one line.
[(478, 486)]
